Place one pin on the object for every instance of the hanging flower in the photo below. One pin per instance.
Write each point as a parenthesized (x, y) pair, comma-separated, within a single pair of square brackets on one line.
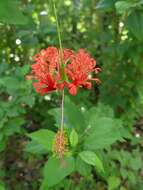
[(79, 71), (56, 70)]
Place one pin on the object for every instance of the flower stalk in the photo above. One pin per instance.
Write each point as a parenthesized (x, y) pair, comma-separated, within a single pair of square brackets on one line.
[(58, 29), (62, 111), (61, 62)]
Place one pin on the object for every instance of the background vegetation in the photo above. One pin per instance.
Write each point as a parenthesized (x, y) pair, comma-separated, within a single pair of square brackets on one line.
[(112, 31)]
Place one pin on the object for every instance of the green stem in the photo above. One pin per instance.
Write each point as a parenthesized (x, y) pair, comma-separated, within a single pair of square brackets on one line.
[(60, 61), (58, 26)]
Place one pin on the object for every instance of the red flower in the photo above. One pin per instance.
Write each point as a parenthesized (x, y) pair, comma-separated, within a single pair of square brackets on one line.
[(55, 70), (79, 71)]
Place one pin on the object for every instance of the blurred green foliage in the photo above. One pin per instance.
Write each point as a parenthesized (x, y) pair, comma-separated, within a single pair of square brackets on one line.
[(104, 125)]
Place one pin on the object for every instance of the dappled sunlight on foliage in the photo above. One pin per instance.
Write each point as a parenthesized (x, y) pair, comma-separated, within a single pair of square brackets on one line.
[(85, 132)]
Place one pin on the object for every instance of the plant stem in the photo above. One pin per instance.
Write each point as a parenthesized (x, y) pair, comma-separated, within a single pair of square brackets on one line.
[(62, 111), (60, 61), (58, 26)]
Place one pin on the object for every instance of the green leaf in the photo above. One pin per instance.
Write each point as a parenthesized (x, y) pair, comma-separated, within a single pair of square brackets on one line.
[(3, 142), (2, 173), (1, 113), (2, 187), (101, 110), (106, 4), (11, 83), (35, 148), (83, 168), (122, 6), (92, 159), (113, 182), (73, 117), (135, 24), (43, 137), (103, 132), (132, 177), (25, 69), (10, 12), (3, 121), (29, 100), (56, 170), (73, 138), (136, 163), (13, 126)]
